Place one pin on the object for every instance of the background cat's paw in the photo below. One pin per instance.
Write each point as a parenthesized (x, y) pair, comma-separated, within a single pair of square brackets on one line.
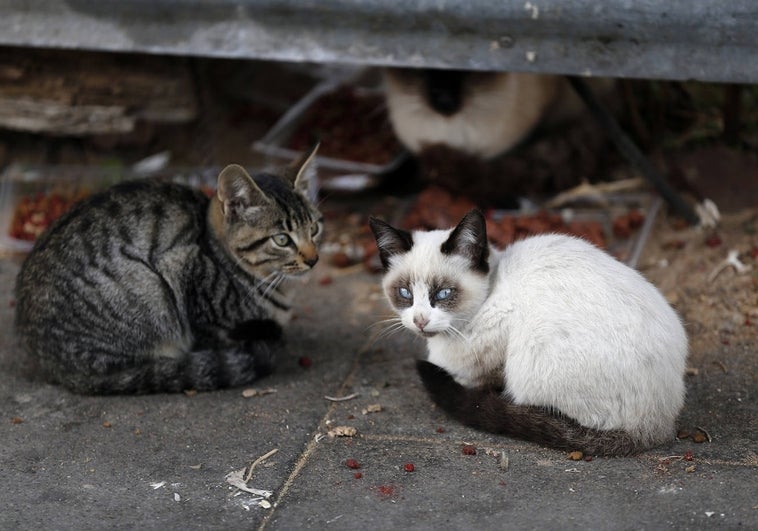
[(257, 330)]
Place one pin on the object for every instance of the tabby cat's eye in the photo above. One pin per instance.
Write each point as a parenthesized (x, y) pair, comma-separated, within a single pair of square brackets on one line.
[(443, 294), (404, 293), (315, 229), (282, 240)]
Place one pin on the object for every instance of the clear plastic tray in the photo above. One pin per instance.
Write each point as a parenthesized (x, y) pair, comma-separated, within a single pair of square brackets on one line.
[(32, 197), (335, 173)]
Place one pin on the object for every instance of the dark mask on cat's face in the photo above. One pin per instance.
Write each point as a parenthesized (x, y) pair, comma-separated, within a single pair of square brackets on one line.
[(435, 281)]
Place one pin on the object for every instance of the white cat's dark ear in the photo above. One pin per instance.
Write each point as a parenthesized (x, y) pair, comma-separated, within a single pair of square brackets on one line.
[(302, 172), (238, 192), (389, 240), (469, 239)]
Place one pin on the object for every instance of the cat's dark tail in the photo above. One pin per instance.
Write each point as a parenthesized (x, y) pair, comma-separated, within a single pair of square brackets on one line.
[(488, 410)]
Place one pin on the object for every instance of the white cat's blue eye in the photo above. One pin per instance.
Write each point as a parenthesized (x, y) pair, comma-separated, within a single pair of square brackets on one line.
[(282, 240), (404, 293), (443, 294)]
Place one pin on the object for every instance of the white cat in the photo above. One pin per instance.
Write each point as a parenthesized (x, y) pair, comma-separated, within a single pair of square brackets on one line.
[(551, 340)]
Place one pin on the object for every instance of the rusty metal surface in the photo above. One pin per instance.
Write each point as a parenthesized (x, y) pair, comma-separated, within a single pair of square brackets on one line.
[(677, 39)]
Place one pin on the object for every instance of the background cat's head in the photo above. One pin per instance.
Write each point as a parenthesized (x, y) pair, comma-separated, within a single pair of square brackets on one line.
[(267, 222), (437, 280), (479, 113)]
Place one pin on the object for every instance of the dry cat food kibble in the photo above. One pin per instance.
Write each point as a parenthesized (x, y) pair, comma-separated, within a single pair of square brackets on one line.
[(352, 463), (468, 449), (350, 125), (35, 213), (409, 467), (437, 208)]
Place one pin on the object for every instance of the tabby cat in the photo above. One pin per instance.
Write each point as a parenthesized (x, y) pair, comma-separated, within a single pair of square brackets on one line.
[(153, 287), (551, 340)]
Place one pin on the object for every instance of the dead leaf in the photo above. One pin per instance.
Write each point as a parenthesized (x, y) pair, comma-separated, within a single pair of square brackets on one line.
[(236, 479), (343, 431)]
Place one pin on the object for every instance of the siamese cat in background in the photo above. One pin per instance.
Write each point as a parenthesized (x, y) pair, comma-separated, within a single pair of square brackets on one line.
[(551, 340), (462, 122), (479, 113)]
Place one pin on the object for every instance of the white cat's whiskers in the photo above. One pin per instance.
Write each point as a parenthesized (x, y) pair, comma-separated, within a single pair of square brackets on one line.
[(392, 326), (455, 332)]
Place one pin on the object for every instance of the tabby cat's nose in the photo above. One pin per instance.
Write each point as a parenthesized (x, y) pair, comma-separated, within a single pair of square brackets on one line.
[(310, 262)]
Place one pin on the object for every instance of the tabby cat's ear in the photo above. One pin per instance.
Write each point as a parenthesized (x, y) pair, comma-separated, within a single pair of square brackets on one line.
[(389, 240), (469, 239), (302, 171), (237, 191)]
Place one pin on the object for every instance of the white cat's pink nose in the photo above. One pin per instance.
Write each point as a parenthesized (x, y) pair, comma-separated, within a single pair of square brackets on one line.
[(420, 322)]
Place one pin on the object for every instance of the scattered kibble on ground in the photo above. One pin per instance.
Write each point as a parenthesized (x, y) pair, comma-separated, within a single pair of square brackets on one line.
[(408, 467), (468, 449), (352, 463)]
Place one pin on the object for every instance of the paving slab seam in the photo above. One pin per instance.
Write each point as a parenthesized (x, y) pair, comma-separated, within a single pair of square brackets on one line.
[(313, 442)]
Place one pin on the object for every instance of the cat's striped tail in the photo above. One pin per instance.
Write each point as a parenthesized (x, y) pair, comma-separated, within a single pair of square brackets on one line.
[(199, 370), (488, 410)]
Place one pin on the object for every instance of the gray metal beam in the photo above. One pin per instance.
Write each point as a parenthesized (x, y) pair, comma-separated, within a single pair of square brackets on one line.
[(708, 40)]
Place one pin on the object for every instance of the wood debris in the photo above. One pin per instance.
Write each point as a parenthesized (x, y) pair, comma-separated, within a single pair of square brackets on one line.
[(372, 408), (73, 93), (249, 393), (249, 471), (732, 260), (595, 193), (342, 431), (236, 479), (240, 478), (342, 398)]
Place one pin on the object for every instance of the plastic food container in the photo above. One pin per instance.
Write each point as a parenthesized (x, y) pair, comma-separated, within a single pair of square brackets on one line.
[(32, 197), (357, 143)]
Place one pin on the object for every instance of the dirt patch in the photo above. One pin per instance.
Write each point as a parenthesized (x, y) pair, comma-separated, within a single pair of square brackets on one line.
[(718, 306)]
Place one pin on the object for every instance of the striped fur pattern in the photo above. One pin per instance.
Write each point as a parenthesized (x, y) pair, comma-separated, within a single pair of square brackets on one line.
[(551, 340), (153, 287)]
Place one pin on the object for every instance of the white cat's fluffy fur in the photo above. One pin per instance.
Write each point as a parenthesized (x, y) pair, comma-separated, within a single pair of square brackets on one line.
[(559, 323)]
